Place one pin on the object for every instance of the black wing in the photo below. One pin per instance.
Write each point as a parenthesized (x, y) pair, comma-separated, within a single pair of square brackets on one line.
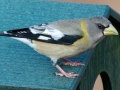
[(38, 32)]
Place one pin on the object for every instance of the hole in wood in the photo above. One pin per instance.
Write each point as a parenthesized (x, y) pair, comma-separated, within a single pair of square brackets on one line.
[(106, 81), (98, 83)]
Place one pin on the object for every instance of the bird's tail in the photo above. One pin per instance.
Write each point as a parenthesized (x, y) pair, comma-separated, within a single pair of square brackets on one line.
[(19, 33), (23, 35)]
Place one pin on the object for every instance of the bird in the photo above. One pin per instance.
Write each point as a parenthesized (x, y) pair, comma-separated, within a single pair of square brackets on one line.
[(64, 39)]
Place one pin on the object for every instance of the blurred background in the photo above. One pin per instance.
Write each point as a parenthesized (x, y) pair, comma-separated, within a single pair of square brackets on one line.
[(115, 4)]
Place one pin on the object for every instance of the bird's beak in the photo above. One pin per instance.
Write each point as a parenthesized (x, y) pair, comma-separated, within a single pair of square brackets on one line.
[(110, 31)]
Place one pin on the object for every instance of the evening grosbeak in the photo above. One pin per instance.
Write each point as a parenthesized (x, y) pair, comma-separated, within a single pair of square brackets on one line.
[(64, 38)]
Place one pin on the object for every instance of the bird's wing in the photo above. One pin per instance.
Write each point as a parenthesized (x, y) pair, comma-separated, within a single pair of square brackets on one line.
[(55, 32)]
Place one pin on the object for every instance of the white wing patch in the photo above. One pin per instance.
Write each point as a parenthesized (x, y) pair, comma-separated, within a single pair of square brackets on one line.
[(55, 34), (46, 30), (43, 38)]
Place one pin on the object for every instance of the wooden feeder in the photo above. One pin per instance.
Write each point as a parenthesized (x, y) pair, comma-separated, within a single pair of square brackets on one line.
[(22, 68)]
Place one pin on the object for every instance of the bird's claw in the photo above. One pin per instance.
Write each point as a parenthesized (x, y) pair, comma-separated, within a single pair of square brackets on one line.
[(69, 75)]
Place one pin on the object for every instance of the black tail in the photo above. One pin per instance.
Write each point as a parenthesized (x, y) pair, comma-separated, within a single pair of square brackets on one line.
[(19, 33), (15, 33)]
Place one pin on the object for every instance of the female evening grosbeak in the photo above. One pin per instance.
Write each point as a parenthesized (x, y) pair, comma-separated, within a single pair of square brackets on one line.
[(64, 38)]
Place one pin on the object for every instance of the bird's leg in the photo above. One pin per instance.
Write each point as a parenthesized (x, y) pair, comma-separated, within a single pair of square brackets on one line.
[(63, 73), (68, 62)]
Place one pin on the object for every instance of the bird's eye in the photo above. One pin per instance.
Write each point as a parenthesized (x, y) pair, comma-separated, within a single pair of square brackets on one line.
[(100, 26)]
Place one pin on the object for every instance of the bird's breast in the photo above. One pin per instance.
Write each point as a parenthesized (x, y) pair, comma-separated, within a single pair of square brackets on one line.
[(60, 51)]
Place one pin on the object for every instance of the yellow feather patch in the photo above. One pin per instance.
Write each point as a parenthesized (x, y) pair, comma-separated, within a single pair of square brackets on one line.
[(85, 34), (83, 26)]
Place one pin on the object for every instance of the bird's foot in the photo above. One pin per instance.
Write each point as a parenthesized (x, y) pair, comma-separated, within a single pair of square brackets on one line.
[(75, 63), (63, 73), (69, 75)]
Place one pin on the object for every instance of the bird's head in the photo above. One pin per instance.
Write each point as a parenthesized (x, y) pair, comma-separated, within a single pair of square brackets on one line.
[(99, 27)]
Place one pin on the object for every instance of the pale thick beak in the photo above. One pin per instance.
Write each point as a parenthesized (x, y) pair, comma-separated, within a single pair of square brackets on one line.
[(110, 31)]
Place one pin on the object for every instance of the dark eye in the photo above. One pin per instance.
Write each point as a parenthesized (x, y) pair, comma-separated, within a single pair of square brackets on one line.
[(100, 26)]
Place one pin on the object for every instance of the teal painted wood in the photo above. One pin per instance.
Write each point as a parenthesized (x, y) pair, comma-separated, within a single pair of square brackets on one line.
[(21, 68)]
